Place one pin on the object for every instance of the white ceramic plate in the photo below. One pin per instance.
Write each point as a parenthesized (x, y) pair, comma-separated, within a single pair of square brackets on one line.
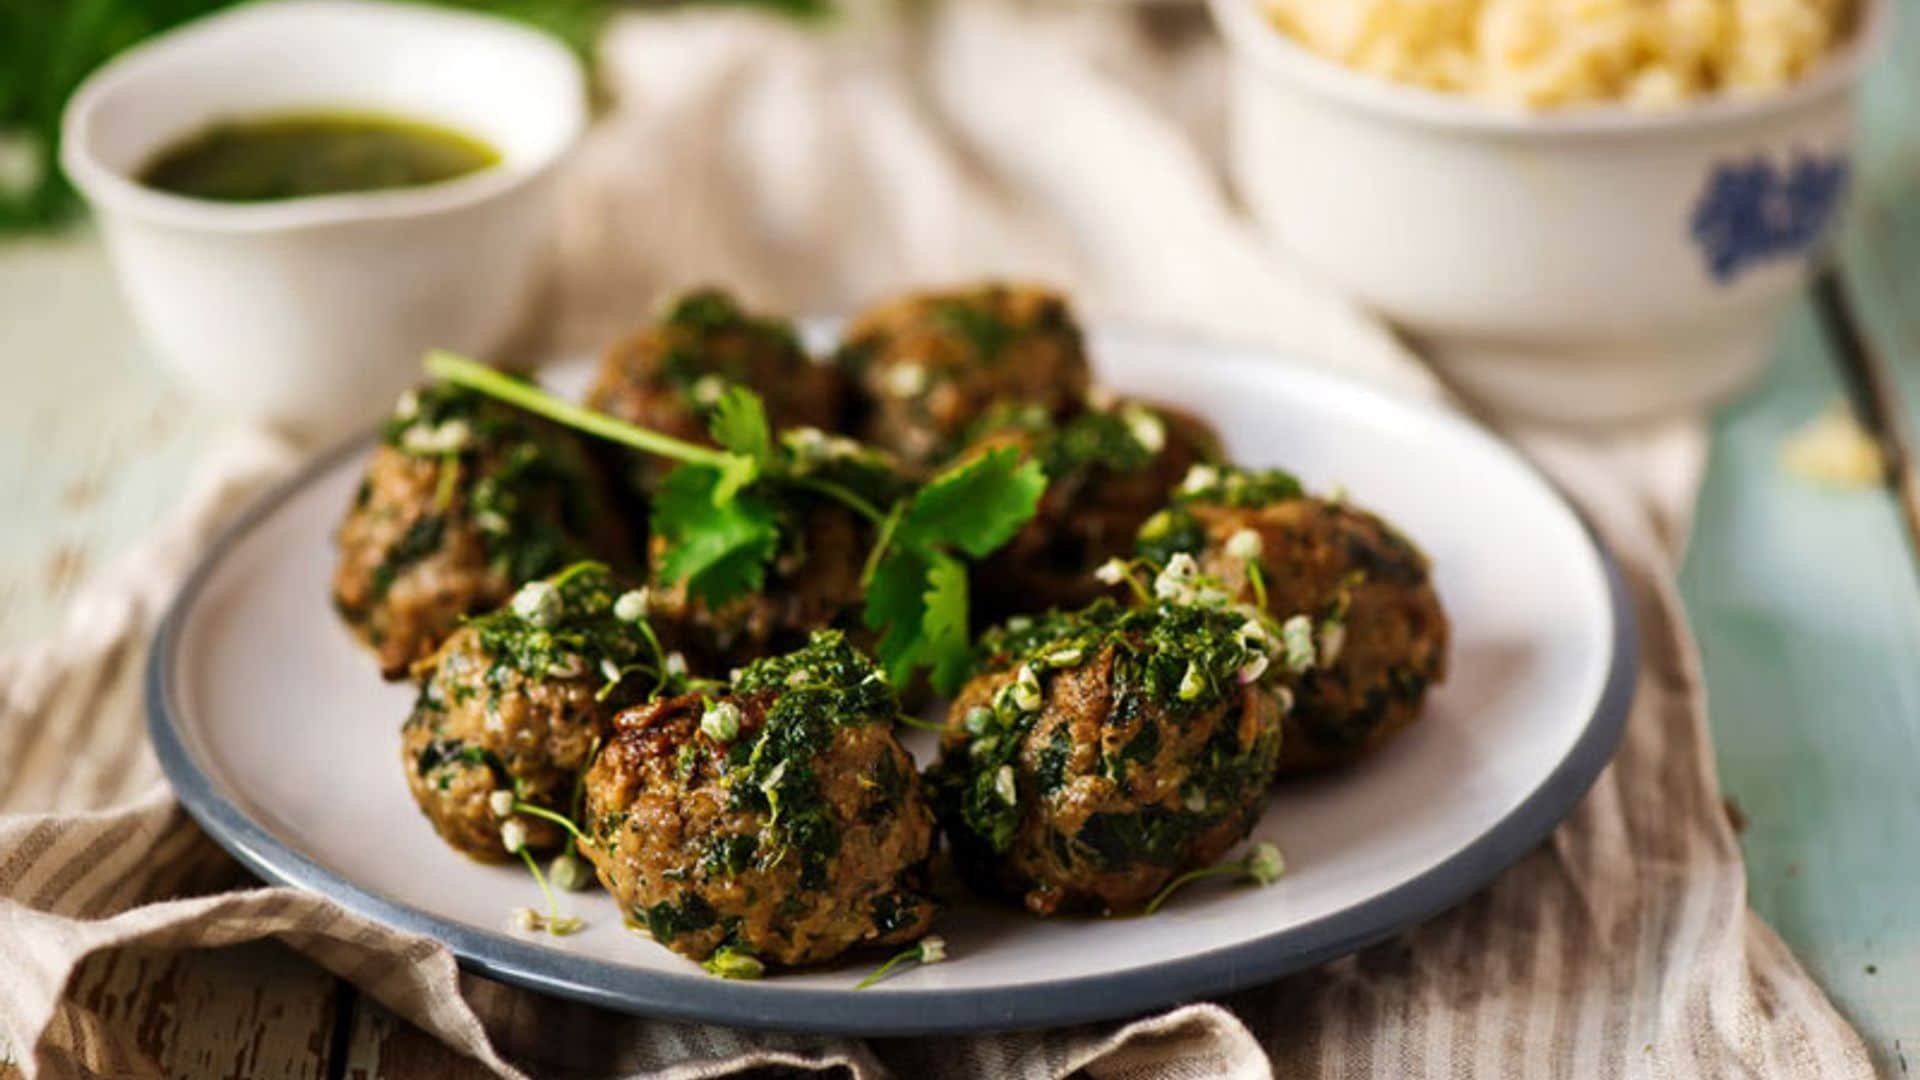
[(281, 739)]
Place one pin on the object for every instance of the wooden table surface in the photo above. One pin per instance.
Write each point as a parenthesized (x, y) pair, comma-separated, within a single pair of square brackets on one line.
[(1806, 604)]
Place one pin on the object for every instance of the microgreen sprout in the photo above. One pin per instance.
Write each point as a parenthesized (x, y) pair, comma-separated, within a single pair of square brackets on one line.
[(521, 806), (1193, 683), (1026, 694), (1245, 545), (555, 923), (1199, 478), (721, 721), (1296, 641), (914, 722), (1257, 578), (1262, 866), (1250, 672), (1117, 570), (1146, 427), (1331, 639), (632, 605), (931, 949), (1004, 787), (569, 872), (449, 481), (513, 835), (732, 962), (539, 603)]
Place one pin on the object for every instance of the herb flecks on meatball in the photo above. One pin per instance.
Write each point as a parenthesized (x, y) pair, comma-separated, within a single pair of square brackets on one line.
[(931, 365), (779, 821), (1108, 471), (669, 376), (464, 500), (1363, 589), (1104, 752), (517, 700)]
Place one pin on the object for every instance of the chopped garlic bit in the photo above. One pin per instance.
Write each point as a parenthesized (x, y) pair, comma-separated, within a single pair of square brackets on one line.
[(1835, 451)]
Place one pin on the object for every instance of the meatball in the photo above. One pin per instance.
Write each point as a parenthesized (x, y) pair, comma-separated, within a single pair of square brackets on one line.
[(668, 377), (516, 701), (1102, 753), (814, 580), (1108, 471), (780, 820), (929, 366), (1365, 591), (464, 500)]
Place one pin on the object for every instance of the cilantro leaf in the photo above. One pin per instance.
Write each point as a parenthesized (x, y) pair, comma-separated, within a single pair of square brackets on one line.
[(739, 423), (720, 550), (975, 506), (917, 597), (943, 623), (897, 606)]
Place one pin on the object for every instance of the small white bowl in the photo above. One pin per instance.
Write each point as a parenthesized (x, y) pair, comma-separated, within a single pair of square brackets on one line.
[(1589, 264), (312, 313)]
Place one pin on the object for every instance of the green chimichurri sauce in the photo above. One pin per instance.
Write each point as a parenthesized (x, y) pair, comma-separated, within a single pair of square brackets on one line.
[(294, 155)]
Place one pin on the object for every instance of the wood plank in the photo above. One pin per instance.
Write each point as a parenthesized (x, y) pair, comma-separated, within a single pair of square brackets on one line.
[(1807, 610), (95, 444), (253, 1010), (381, 1045)]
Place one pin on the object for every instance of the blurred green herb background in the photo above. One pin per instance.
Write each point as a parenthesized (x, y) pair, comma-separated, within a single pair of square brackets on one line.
[(48, 46)]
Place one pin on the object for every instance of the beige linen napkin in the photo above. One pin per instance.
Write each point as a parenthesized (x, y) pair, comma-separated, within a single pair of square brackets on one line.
[(816, 168)]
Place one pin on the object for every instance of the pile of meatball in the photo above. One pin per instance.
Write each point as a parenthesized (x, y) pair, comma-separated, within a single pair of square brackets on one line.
[(1167, 637)]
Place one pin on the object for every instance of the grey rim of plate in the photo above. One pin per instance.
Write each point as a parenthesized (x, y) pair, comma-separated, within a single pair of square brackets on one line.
[(705, 998)]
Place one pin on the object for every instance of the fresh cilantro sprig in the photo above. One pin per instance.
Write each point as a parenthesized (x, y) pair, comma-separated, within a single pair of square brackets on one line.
[(720, 536), (917, 587), (491, 381), (717, 514)]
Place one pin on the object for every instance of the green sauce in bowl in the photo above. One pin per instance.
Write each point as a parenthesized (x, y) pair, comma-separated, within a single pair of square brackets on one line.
[(295, 155)]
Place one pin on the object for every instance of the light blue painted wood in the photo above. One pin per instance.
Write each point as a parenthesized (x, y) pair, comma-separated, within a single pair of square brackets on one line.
[(1807, 609)]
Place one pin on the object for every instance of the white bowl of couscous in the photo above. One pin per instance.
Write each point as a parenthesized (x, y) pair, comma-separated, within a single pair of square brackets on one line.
[(1583, 210)]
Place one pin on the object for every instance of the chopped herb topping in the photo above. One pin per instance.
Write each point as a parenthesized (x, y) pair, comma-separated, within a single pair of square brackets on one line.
[(526, 487), (1169, 661), (975, 323), (667, 920), (421, 539), (566, 627), (815, 690), (1227, 485)]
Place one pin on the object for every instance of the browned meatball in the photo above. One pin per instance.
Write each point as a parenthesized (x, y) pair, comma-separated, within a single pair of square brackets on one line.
[(1105, 752), (1108, 471), (464, 500), (1365, 591), (516, 701), (780, 820), (814, 580), (668, 376), (930, 365)]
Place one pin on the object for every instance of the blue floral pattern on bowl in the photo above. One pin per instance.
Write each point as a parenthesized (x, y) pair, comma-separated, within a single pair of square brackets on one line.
[(1755, 210)]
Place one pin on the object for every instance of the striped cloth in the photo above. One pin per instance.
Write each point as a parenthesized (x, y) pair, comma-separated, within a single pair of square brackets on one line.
[(1622, 947)]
